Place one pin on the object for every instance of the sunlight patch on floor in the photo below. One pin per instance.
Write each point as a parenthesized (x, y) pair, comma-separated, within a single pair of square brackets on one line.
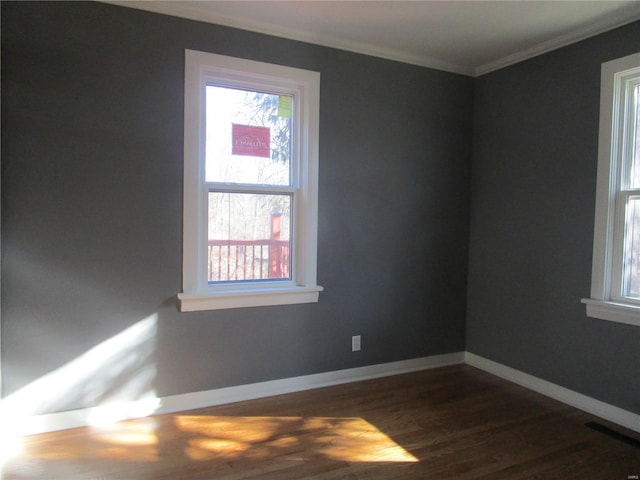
[(131, 441), (223, 438), (10, 446), (345, 439), (130, 433)]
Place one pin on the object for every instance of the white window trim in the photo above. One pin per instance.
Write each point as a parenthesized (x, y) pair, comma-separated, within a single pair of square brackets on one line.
[(197, 294), (606, 302)]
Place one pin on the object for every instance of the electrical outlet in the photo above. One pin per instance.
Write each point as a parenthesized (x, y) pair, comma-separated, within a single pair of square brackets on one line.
[(355, 343)]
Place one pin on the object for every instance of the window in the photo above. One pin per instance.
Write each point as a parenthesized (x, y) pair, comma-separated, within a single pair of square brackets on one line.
[(615, 282), (250, 183)]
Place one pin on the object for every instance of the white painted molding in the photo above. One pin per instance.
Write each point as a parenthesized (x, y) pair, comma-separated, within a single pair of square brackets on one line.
[(296, 384), (192, 11), (190, 401), (612, 311), (582, 402), (561, 41), (249, 298)]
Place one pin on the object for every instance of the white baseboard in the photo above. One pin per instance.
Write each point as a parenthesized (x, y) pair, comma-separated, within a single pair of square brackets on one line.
[(190, 401), (582, 402)]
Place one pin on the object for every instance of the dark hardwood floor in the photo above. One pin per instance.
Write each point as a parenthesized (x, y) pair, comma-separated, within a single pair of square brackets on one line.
[(447, 423)]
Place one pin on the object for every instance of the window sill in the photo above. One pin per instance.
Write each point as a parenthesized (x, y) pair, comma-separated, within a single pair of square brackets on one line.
[(613, 311), (193, 302)]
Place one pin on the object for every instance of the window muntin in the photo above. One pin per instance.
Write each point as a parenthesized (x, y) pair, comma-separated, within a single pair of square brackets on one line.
[(265, 160), (615, 282)]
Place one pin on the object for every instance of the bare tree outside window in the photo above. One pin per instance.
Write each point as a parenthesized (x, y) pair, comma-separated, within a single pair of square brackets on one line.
[(633, 206)]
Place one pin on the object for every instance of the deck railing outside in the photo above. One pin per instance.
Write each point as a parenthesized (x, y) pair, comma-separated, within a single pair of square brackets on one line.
[(260, 259)]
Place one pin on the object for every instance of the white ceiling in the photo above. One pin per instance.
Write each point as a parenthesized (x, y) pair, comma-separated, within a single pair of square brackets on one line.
[(468, 37)]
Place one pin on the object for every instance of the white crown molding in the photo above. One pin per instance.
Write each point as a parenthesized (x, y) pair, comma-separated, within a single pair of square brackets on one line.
[(207, 16), (610, 23), (203, 15), (189, 11)]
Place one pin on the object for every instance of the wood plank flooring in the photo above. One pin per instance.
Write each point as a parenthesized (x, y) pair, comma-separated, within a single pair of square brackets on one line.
[(447, 423)]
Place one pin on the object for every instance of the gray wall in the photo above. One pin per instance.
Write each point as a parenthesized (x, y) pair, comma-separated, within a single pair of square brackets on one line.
[(533, 196), (92, 111), (92, 207)]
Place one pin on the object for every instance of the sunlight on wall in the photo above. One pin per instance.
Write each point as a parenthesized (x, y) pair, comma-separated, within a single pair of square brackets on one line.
[(116, 376)]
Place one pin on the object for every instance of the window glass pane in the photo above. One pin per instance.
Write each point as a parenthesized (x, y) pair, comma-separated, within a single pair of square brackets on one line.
[(249, 237), (632, 248), (248, 137), (635, 141)]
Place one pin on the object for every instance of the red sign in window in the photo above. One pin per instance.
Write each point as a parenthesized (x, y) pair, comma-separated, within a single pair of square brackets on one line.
[(249, 140)]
